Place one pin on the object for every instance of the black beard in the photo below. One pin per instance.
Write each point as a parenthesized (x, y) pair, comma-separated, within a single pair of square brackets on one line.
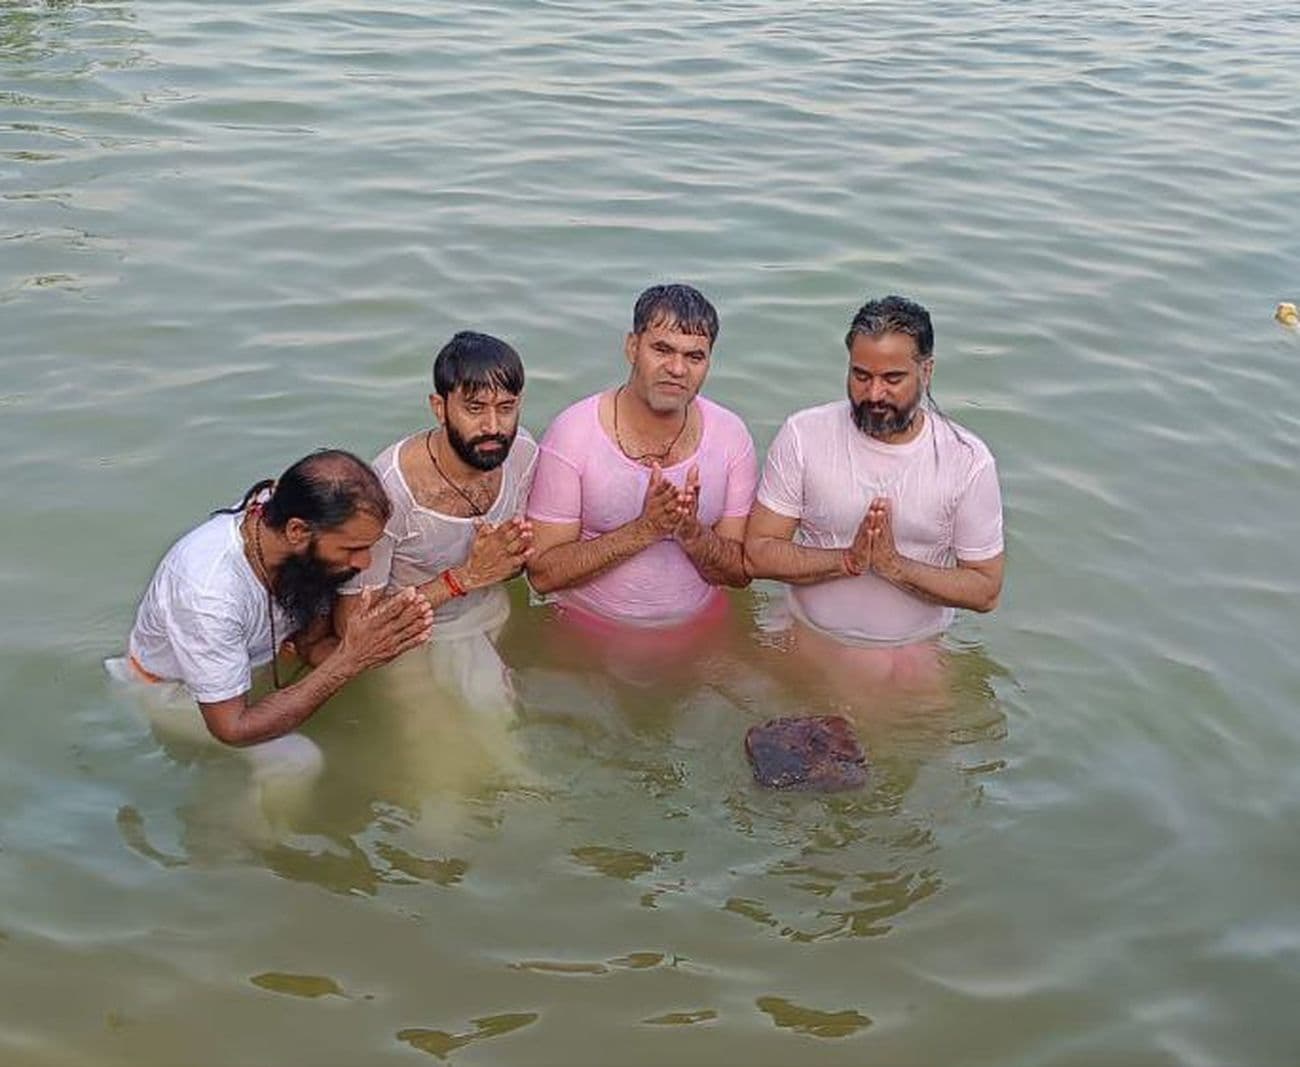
[(469, 453), (884, 423), (306, 588)]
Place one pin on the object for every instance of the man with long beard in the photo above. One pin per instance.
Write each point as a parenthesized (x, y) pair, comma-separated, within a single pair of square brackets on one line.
[(233, 591), (456, 531), (882, 514)]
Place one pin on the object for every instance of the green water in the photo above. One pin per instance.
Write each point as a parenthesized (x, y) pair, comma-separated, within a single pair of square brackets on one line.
[(232, 232)]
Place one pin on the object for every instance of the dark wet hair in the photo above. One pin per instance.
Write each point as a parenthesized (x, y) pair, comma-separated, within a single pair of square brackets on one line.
[(472, 361), (681, 305), (324, 489), (894, 314)]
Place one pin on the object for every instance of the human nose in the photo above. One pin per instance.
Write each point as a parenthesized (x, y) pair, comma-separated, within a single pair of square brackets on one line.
[(877, 391), (492, 421), (676, 365), (360, 559)]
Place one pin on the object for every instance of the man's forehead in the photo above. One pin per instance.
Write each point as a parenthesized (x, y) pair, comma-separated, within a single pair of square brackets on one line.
[(359, 530), (484, 393), (668, 324), (891, 346)]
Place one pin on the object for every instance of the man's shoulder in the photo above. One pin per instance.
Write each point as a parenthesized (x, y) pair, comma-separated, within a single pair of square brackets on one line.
[(201, 564), (958, 440), (728, 421), (524, 446), (820, 418), (579, 409), (573, 425)]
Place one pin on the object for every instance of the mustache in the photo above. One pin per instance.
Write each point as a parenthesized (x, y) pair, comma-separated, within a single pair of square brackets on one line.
[(495, 438)]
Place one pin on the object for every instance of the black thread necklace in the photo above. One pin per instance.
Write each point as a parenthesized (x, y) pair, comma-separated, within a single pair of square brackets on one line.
[(478, 512), (266, 578), (618, 440)]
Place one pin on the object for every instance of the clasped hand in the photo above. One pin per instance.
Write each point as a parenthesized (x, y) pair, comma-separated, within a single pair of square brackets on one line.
[(670, 511), (873, 550), (382, 628), (498, 552)]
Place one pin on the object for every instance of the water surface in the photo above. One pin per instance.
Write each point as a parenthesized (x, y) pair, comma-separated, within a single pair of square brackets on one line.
[(233, 232)]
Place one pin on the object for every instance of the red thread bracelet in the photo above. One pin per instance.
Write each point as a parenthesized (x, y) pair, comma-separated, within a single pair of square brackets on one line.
[(449, 580)]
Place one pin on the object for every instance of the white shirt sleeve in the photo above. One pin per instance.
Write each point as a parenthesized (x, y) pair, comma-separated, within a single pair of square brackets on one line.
[(977, 526), (211, 648), (781, 488)]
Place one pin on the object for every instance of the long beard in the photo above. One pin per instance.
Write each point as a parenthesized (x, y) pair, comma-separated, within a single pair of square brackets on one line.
[(306, 588), (469, 451), (886, 420)]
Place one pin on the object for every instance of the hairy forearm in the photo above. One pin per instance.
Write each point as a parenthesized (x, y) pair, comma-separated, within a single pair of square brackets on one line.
[(283, 711), (953, 587), (574, 562), (775, 557), (719, 560)]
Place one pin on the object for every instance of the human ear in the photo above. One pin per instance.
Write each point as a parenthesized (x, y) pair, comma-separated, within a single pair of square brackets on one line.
[(297, 532)]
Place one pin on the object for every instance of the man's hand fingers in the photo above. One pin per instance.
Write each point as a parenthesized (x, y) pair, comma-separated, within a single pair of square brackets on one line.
[(364, 600)]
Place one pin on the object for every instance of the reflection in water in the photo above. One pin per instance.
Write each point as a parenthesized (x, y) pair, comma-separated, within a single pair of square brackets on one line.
[(810, 1021), (47, 33), (683, 1018), (440, 1043), (309, 986)]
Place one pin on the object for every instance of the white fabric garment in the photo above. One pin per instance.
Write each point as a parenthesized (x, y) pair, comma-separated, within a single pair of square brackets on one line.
[(945, 505), (203, 619), (419, 543)]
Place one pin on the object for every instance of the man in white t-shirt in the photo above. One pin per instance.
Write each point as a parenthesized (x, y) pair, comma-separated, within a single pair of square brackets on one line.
[(882, 514), (232, 592), (456, 530)]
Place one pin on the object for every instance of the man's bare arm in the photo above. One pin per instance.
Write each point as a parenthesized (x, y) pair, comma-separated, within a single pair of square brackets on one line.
[(376, 633), (770, 551), (718, 551), (972, 584), (561, 559)]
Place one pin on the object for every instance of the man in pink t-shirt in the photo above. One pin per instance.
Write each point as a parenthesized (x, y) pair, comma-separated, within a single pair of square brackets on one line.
[(882, 514), (641, 493)]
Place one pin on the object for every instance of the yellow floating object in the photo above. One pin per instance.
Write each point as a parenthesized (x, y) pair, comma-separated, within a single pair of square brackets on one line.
[(1287, 315)]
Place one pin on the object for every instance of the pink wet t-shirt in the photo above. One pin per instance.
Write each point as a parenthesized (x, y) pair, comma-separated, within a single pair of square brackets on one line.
[(583, 477), (945, 505)]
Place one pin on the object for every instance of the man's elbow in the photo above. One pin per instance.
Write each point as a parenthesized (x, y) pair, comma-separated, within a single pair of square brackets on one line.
[(228, 733), (739, 579), (987, 602), (540, 578)]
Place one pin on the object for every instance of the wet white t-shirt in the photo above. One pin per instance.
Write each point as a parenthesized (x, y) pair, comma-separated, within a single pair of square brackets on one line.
[(945, 505), (419, 543), (203, 619)]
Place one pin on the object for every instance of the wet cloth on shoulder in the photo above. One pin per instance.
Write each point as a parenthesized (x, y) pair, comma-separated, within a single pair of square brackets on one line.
[(203, 618)]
